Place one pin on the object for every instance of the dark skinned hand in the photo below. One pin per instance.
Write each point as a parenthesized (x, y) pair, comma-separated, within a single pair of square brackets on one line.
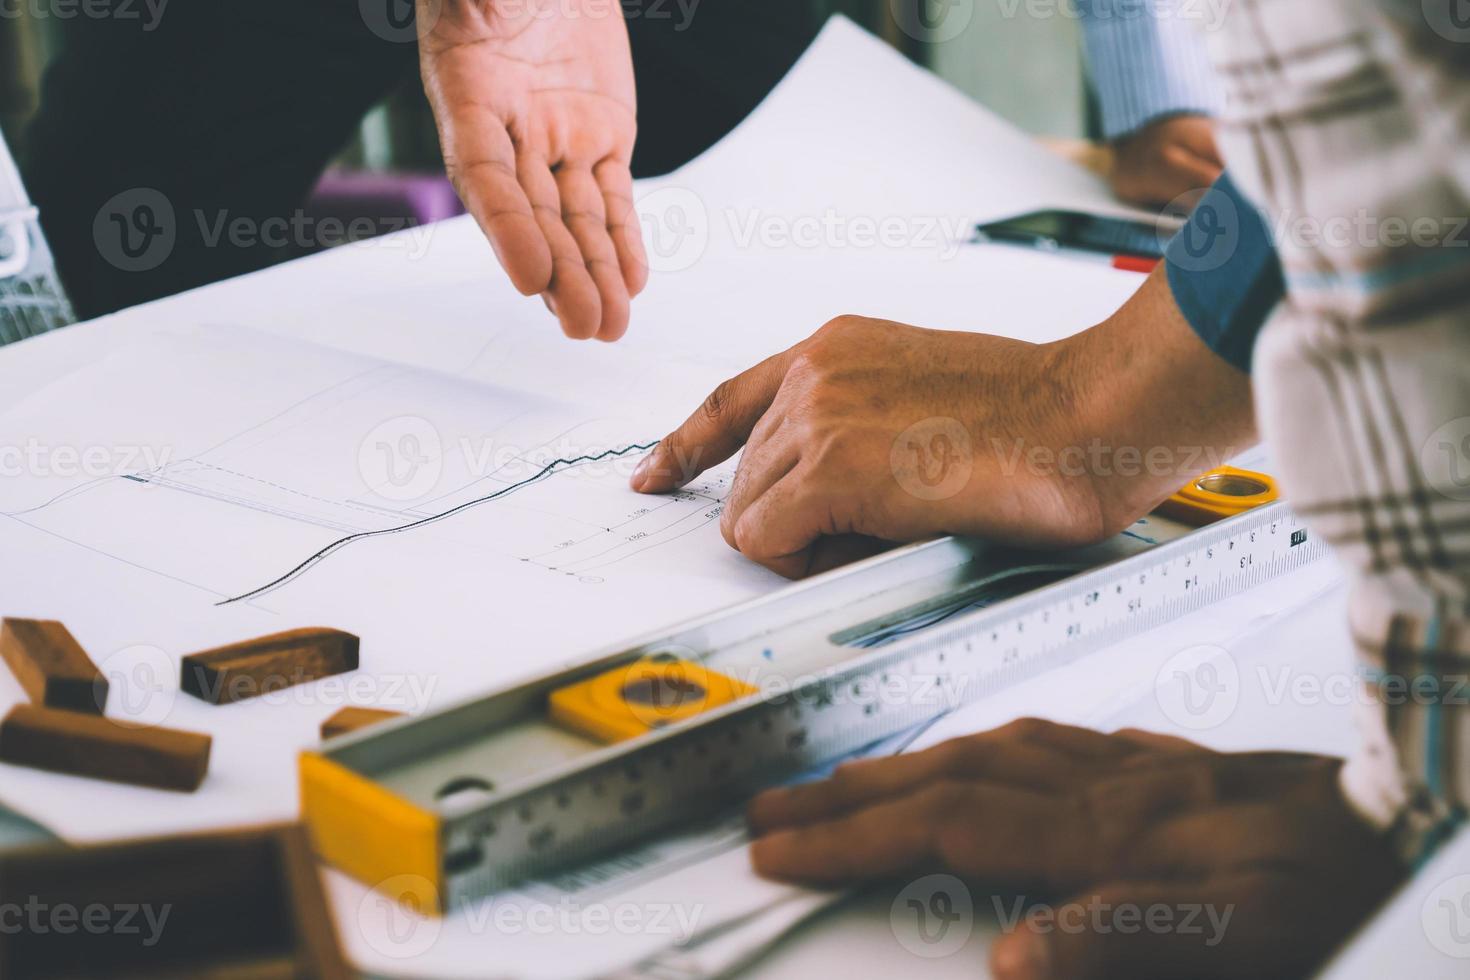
[(1083, 818)]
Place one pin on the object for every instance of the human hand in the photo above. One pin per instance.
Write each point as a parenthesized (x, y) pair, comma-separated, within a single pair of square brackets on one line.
[(872, 429), (1264, 842), (875, 430), (537, 118), (1167, 160)]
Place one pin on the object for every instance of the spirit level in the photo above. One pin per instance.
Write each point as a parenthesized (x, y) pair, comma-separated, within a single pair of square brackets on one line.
[(452, 806)]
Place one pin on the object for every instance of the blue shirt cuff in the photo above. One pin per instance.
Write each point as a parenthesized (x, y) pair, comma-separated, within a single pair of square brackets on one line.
[(1224, 272), (1147, 61)]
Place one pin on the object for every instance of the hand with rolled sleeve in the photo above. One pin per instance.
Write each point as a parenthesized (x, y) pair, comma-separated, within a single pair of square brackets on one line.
[(1172, 161), (872, 431), (1157, 94)]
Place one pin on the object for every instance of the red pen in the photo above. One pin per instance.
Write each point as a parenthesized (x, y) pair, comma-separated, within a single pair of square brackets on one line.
[(1135, 263)]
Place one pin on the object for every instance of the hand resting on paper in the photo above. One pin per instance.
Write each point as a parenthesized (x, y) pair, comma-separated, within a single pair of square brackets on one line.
[(1151, 856), (872, 431)]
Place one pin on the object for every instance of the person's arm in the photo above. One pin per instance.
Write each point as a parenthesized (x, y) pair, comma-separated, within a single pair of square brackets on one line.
[(1049, 442), (1365, 378), (1224, 273), (537, 118), (876, 430), (1156, 92), (1362, 384)]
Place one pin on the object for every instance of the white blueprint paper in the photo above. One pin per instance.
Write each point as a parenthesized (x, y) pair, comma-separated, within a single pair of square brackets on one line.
[(400, 395)]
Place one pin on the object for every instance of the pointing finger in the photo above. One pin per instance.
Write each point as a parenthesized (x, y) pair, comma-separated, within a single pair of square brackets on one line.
[(716, 430)]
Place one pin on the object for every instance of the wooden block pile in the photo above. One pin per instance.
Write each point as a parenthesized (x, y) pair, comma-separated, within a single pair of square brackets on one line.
[(65, 728)]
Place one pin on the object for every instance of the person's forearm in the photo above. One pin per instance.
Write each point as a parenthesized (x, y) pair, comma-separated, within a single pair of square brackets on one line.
[(1155, 405), (1146, 63)]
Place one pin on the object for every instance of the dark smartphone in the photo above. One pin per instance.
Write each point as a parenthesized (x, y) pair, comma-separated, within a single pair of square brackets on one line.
[(1056, 230)]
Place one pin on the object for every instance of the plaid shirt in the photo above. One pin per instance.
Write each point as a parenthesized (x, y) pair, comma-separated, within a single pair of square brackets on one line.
[(1350, 124)]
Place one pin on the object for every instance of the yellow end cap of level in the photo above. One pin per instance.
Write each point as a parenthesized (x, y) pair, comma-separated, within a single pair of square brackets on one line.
[(1219, 494), (376, 836), (643, 696)]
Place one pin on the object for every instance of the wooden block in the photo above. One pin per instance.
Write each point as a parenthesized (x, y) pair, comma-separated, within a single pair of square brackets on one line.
[(351, 719), (242, 904), (51, 665), (90, 745), (247, 670)]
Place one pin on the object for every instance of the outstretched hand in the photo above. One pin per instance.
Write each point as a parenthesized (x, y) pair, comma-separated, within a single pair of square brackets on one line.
[(537, 118)]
